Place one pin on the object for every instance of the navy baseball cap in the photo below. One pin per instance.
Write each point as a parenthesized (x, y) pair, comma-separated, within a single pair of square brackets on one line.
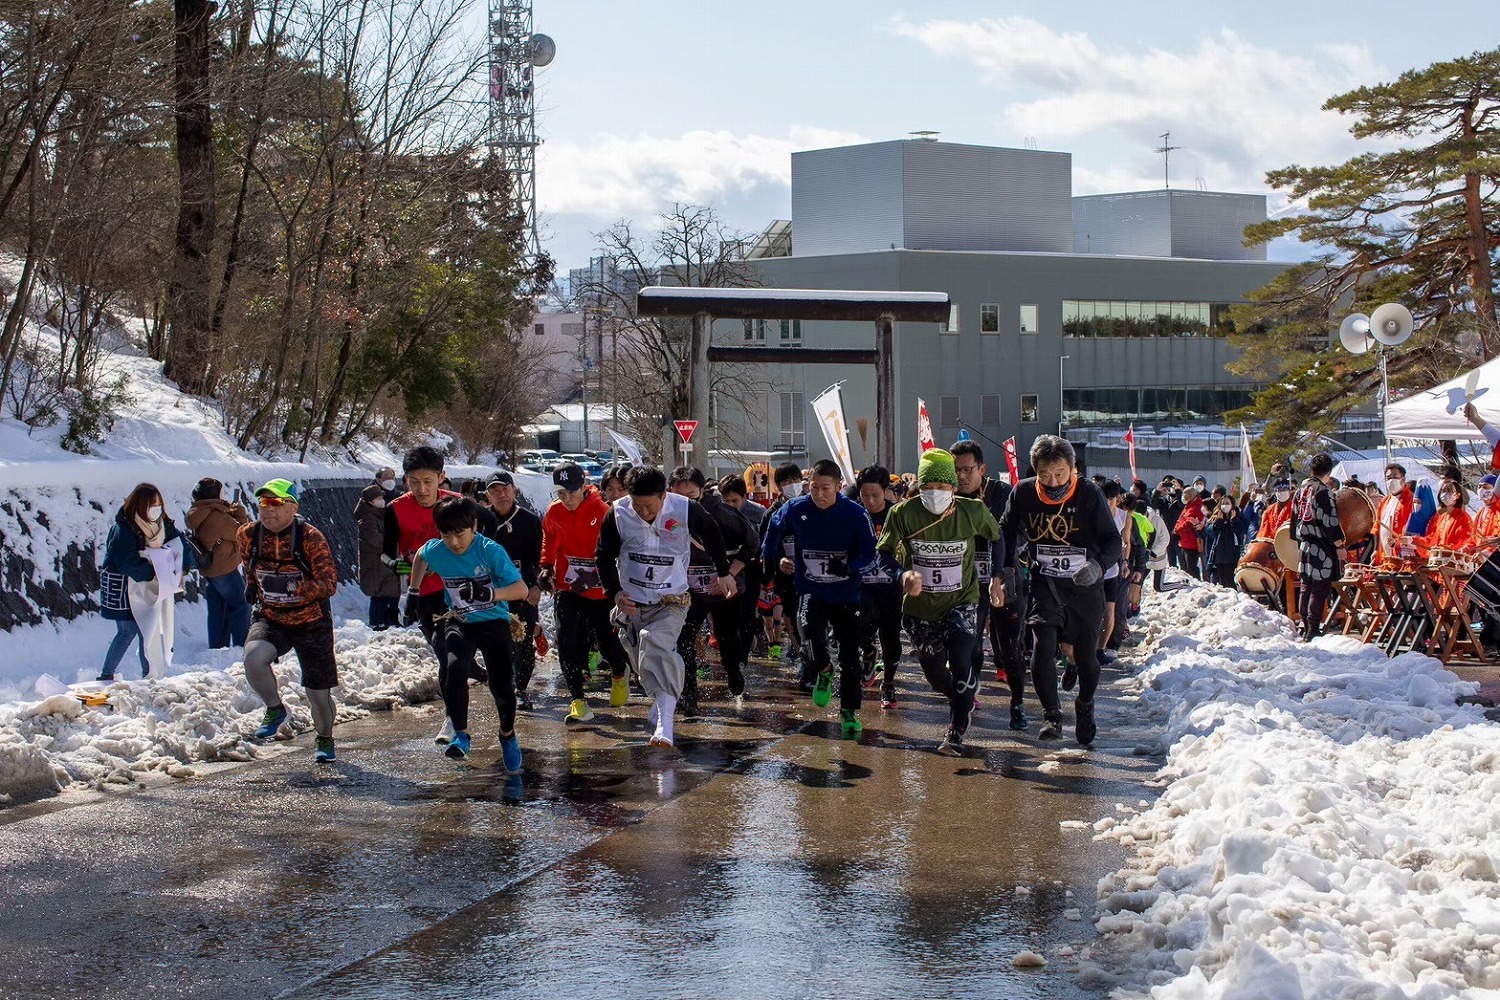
[(501, 478), (568, 476)]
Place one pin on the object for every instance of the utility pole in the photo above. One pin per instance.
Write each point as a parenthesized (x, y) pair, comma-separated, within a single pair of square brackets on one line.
[(1165, 149)]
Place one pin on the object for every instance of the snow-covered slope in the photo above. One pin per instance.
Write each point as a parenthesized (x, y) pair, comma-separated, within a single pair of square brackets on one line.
[(1329, 825)]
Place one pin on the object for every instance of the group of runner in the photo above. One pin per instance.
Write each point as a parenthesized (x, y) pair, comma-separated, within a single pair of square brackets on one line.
[(638, 565)]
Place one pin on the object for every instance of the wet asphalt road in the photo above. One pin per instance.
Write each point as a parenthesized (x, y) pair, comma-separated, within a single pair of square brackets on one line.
[(763, 858)]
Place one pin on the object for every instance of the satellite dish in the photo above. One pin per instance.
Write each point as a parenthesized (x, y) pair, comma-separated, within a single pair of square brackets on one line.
[(543, 50), (1391, 324), (1354, 333)]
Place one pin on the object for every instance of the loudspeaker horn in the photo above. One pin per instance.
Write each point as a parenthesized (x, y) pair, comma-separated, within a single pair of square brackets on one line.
[(1391, 324), (1354, 333)]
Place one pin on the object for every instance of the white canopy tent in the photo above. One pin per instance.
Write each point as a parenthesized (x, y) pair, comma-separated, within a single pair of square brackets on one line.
[(1369, 466), (1438, 413)]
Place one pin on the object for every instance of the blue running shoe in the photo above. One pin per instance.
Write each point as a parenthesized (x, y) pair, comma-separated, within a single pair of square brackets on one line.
[(510, 752), (273, 721), (323, 752), (459, 748)]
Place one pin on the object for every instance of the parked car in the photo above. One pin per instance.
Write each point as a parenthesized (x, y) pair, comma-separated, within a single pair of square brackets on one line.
[(546, 458)]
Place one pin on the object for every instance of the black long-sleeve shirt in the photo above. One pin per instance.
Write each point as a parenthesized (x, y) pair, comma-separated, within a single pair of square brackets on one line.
[(701, 526), (1082, 521), (520, 532)]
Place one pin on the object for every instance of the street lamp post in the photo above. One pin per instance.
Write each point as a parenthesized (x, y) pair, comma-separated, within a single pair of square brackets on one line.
[(1060, 419)]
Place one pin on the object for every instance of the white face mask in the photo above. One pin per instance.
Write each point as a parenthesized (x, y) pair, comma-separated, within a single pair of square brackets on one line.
[(1224, 507), (1449, 497), (1282, 496), (1394, 486), (937, 501), (1485, 494), (387, 484), (792, 490), (378, 502), (153, 513)]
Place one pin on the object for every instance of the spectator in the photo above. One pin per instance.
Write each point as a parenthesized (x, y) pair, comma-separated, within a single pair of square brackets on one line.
[(130, 584), (377, 579), (215, 524), (1187, 526)]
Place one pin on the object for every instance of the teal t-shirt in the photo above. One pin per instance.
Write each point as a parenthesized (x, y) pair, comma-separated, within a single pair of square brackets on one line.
[(471, 580)]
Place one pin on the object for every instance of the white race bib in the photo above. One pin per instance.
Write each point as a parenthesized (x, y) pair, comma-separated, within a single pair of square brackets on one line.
[(701, 578), (649, 571), (278, 588), (815, 565), (585, 568), (789, 547), (469, 595), (1060, 562), (982, 563), (879, 571), (939, 564)]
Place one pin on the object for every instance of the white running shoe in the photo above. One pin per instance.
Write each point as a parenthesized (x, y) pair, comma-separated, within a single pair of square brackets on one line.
[(664, 709), (445, 735)]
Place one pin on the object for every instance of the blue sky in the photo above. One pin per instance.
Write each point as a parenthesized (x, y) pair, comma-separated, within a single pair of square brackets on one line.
[(653, 102)]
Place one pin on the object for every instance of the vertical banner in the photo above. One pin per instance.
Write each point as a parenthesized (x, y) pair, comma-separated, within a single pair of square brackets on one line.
[(1130, 447), (924, 428), (631, 449), (1010, 460), (1247, 463), (828, 407)]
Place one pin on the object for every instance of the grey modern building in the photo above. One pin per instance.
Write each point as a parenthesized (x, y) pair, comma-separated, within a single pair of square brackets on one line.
[(1041, 335)]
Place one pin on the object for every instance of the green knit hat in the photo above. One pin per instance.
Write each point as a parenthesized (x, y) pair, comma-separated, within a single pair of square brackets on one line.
[(936, 466)]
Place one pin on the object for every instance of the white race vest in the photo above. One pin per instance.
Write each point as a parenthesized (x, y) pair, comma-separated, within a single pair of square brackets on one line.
[(654, 557)]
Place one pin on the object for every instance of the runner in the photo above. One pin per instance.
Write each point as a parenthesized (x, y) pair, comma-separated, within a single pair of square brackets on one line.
[(645, 544), (519, 531), (788, 478), (833, 542), (408, 527), (1003, 626), (736, 495), (741, 546), (880, 594), (570, 541), (478, 577), (935, 533), (289, 577), (1069, 537)]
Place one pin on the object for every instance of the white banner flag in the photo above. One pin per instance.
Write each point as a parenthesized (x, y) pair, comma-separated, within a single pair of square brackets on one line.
[(632, 449), (1247, 464), (829, 409)]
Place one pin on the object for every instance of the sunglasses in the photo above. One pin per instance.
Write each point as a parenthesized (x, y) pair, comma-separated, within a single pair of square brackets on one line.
[(274, 501)]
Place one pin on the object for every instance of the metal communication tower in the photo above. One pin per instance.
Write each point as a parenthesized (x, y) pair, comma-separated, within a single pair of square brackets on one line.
[(515, 54)]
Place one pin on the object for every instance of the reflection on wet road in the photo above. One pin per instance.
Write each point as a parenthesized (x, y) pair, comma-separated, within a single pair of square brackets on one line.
[(763, 858)]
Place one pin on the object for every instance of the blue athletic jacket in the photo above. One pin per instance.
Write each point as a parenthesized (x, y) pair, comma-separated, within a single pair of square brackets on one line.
[(842, 531)]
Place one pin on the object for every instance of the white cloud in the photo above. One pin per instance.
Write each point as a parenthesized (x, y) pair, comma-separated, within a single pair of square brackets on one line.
[(1238, 108), (614, 176)]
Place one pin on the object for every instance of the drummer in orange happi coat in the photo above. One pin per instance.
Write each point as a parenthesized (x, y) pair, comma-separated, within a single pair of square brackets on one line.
[(1451, 527), (1487, 519), (1279, 513)]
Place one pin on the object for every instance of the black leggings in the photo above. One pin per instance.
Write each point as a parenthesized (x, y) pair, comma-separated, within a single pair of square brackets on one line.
[(880, 617), (578, 620), (789, 600), (460, 641), (727, 622), (1077, 622), (945, 649), (523, 653), (1190, 563), (1004, 626), (818, 616)]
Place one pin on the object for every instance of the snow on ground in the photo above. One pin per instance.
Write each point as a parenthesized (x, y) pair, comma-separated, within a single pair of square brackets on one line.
[(201, 712), (1329, 824)]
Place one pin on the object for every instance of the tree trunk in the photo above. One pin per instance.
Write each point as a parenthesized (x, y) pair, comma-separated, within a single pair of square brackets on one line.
[(188, 291)]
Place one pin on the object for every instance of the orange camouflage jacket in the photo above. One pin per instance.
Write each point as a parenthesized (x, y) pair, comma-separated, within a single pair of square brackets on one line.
[(283, 593)]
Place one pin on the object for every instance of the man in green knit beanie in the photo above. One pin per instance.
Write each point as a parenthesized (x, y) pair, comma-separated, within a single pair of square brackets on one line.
[(933, 535)]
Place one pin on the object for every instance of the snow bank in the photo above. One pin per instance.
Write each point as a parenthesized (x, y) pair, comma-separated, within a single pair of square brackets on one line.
[(196, 716), (1329, 825)]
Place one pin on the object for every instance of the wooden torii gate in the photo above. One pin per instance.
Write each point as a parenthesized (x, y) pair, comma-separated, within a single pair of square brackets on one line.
[(884, 309)]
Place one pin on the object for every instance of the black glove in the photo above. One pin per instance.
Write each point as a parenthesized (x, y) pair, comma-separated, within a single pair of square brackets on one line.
[(1012, 584), (544, 579), (838, 566), (1090, 574), (409, 609)]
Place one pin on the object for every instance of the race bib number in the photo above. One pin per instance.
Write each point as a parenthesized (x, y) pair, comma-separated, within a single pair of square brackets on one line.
[(651, 572), (815, 566), (469, 595), (581, 570), (879, 571), (789, 548), (939, 564), (982, 563), (279, 588), (701, 579), (1060, 562)]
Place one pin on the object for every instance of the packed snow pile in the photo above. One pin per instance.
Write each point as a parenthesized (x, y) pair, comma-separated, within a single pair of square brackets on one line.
[(1329, 824), (202, 715)]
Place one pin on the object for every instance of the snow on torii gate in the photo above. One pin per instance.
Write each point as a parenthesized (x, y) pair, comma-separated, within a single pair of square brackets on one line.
[(884, 309)]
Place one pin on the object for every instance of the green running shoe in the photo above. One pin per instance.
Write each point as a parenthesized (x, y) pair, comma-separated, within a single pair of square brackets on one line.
[(850, 723), (823, 689)]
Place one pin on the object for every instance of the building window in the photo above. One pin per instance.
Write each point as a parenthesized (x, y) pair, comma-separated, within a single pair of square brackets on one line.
[(755, 332), (540, 329), (1113, 318), (1028, 319), (989, 410), (1107, 404), (791, 333), (989, 317), (784, 332), (948, 411), (952, 325), (793, 421), (1028, 408)]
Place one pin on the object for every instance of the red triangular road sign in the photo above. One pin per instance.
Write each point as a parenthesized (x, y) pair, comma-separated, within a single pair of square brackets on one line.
[(685, 429)]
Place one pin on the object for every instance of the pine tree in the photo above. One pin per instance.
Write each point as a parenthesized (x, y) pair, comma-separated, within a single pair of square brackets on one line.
[(1418, 224)]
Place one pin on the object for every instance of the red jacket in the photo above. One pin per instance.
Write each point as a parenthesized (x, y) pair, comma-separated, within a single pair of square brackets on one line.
[(1188, 523), (570, 539)]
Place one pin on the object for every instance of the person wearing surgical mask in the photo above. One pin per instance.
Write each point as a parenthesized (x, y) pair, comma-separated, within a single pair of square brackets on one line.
[(1451, 527), (377, 580), (788, 479), (1487, 518), (1398, 515), (130, 582), (935, 537)]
